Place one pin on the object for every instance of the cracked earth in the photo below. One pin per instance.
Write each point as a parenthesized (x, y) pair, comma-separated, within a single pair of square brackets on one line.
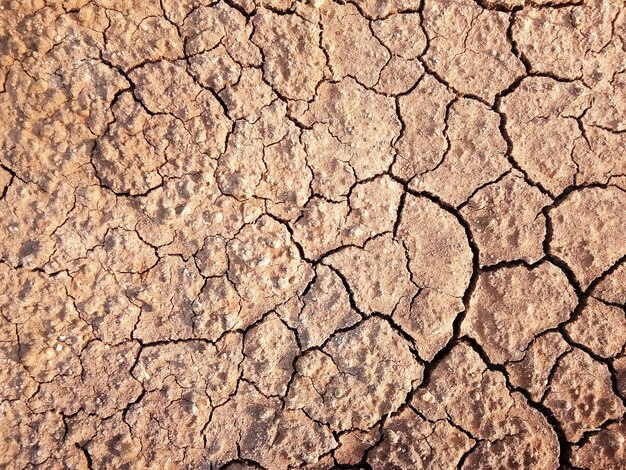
[(373, 234)]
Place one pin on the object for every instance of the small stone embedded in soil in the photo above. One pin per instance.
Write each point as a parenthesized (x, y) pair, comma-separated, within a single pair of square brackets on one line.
[(317, 234)]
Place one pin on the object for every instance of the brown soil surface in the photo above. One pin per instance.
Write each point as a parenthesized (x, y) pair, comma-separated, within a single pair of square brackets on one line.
[(279, 234)]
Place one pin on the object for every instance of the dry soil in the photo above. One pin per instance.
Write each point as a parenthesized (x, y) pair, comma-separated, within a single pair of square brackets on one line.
[(371, 234)]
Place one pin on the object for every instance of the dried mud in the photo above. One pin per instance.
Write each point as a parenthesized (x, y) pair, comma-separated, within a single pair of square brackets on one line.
[(372, 234)]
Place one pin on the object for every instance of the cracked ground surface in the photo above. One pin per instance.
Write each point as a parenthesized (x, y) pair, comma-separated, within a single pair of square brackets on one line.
[(372, 234)]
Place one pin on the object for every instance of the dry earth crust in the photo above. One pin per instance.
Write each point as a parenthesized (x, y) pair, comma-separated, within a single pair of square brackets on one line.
[(279, 234)]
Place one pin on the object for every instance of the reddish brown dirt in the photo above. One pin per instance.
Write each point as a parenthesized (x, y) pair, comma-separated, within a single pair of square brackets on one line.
[(372, 234)]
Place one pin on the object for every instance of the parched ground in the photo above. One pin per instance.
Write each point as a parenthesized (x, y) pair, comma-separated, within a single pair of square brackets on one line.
[(373, 234)]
